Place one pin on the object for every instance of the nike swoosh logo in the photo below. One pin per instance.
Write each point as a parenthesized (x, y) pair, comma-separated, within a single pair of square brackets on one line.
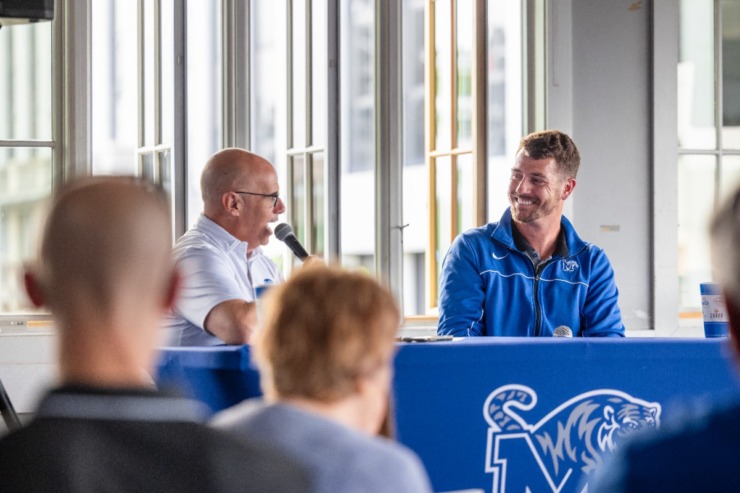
[(499, 258)]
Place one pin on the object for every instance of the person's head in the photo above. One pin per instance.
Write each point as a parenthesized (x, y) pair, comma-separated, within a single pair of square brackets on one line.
[(725, 253), (240, 193), (104, 267), (552, 144), (328, 336), (543, 175)]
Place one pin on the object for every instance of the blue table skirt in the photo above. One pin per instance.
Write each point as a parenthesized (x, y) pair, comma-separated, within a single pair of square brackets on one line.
[(506, 414), (219, 376)]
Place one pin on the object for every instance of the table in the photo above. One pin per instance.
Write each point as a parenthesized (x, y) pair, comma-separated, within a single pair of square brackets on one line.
[(506, 414), (219, 376)]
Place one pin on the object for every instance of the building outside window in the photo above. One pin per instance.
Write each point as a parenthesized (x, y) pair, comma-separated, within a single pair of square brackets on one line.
[(26, 152), (708, 133)]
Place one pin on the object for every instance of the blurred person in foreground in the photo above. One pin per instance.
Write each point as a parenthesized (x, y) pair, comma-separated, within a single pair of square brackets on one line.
[(530, 272), (106, 273), (699, 453), (325, 356), (221, 256)]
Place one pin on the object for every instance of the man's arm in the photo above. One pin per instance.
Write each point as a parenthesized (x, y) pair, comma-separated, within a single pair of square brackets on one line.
[(462, 294), (601, 314), (233, 321), (213, 298)]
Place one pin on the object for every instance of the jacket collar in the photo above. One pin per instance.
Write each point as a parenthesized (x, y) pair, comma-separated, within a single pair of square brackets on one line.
[(502, 233)]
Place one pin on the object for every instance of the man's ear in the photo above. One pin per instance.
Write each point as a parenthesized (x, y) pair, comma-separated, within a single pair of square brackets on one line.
[(568, 186), (33, 289), (230, 203), (173, 289)]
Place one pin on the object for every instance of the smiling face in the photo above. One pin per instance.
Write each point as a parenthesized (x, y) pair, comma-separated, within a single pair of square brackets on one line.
[(537, 190)]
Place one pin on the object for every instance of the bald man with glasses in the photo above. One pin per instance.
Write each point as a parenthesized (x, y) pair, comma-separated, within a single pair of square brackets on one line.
[(221, 256)]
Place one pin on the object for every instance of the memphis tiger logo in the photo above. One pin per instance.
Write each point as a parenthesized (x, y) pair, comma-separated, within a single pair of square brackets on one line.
[(562, 449)]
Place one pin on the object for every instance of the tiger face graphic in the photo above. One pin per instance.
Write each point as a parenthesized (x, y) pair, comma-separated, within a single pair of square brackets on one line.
[(567, 444)]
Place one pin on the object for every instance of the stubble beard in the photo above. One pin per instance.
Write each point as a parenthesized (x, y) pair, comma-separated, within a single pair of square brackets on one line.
[(527, 217)]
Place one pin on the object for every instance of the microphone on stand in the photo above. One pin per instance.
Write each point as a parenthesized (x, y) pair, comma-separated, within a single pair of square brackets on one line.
[(562, 331), (284, 233)]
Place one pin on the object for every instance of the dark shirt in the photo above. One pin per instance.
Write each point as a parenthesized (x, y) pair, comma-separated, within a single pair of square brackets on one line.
[(561, 247), (699, 454), (101, 440)]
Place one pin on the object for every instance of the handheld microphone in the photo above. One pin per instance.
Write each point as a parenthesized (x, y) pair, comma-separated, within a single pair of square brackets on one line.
[(562, 331), (284, 233)]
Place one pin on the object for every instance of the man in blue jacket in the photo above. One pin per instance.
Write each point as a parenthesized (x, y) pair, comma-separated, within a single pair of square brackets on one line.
[(530, 273)]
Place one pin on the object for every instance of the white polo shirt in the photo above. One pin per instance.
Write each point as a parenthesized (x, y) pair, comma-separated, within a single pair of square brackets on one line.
[(215, 268)]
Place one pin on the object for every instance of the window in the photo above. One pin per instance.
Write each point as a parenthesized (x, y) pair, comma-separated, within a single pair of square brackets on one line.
[(454, 163), (473, 98), (357, 89), (133, 89), (161, 103), (708, 132), (204, 118), (288, 112), (26, 151)]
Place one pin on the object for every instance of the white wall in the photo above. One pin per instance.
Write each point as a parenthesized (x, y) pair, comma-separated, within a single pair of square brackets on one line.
[(27, 367), (600, 92)]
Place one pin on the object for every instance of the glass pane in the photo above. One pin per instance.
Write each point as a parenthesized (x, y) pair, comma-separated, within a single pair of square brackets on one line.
[(731, 74), (298, 75), (415, 238), (25, 183), (166, 172), (146, 166), (297, 199), (358, 135), (504, 86), (696, 95), (268, 79), (464, 74), (696, 178), (318, 221), (25, 82), (167, 71), (149, 48), (465, 193), (114, 87), (415, 176), (319, 67), (443, 74), (204, 98), (268, 104), (444, 208), (730, 173), (413, 82)]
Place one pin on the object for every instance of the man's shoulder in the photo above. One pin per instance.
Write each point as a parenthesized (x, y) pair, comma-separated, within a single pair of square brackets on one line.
[(478, 234), (687, 451), (695, 429), (198, 243)]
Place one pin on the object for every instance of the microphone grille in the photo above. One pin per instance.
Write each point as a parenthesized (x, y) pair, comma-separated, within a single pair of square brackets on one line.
[(282, 231), (562, 331)]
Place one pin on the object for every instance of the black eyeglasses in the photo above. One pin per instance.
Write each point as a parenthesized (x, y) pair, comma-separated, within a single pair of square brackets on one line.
[(274, 196)]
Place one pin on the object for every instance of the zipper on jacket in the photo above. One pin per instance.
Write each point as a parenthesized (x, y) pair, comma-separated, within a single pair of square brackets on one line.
[(537, 308)]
